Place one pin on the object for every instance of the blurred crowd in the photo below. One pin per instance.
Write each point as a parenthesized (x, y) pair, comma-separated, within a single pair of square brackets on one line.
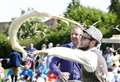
[(36, 69), (112, 58), (33, 69)]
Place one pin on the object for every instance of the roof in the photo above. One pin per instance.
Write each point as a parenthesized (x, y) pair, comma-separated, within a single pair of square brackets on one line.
[(113, 39), (109, 40)]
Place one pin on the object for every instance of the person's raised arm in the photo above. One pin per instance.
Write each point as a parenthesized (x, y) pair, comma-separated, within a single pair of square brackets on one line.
[(87, 58)]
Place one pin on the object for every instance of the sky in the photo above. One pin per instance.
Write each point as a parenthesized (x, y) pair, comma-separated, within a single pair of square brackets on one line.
[(12, 8)]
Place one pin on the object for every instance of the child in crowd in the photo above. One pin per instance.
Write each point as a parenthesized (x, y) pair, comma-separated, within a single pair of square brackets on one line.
[(27, 73), (42, 71)]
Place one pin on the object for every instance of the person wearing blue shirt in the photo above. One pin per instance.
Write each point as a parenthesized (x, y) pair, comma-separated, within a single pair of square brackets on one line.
[(15, 59), (68, 70), (15, 63), (26, 73), (32, 57), (30, 50)]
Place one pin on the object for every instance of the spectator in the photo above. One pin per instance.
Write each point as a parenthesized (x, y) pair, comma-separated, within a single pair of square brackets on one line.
[(26, 73), (50, 45), (109, 58), (15, 63), (30, 50), (44, 46)]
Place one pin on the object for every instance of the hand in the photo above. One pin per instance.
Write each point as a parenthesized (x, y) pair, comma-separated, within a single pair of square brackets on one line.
[(65, 76)]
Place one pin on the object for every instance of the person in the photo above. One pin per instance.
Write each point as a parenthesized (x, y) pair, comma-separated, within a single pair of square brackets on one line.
[(109, 58), (41, 71), (44, 46), (31, 56), (116, 58), (15, 63), (88, 55), (50, 45), (68, 70), (27, 73), (92, 42), (30, 50)]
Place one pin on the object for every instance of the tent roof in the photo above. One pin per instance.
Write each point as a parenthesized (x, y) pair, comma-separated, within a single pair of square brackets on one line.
[(109, 40)]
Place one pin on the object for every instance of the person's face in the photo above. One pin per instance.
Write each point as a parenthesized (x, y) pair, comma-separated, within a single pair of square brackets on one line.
[(44, 46), (85, 42), (50, 45), (31, 45), (27, 66), (76, 35)]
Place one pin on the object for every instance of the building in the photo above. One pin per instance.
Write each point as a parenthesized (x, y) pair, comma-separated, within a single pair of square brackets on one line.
[(4, 26), (114, 40)]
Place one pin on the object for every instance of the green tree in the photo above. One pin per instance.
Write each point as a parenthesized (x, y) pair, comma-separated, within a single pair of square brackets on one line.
[(37, 32), (31, 27), (89, 16), (4, 45), (115, 8)]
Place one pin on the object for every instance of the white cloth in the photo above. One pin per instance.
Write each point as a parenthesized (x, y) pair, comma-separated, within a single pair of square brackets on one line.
[(87, 58), (101, 70)]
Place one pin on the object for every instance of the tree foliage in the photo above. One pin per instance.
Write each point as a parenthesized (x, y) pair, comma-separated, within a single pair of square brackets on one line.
[(89, 16), (31, 27), (37, 32), (115, 8), (4, 45)]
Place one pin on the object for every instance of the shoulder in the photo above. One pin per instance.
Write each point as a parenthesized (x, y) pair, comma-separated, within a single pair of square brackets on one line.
[(14, 53), (68, 45), (91, 54)]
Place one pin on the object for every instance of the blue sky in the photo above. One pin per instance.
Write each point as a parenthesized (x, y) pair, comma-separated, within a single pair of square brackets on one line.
[(12, 8)]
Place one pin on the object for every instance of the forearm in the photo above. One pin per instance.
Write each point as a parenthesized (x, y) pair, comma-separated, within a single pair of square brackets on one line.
[(55, 69), (87, 59)]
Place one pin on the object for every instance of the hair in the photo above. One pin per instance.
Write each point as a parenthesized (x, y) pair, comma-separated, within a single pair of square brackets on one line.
[(76, 26)]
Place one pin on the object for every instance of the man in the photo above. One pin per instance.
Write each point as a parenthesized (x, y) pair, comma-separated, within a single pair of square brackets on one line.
[(90, 56), (91, 41), (68, 70), (30, 50)]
